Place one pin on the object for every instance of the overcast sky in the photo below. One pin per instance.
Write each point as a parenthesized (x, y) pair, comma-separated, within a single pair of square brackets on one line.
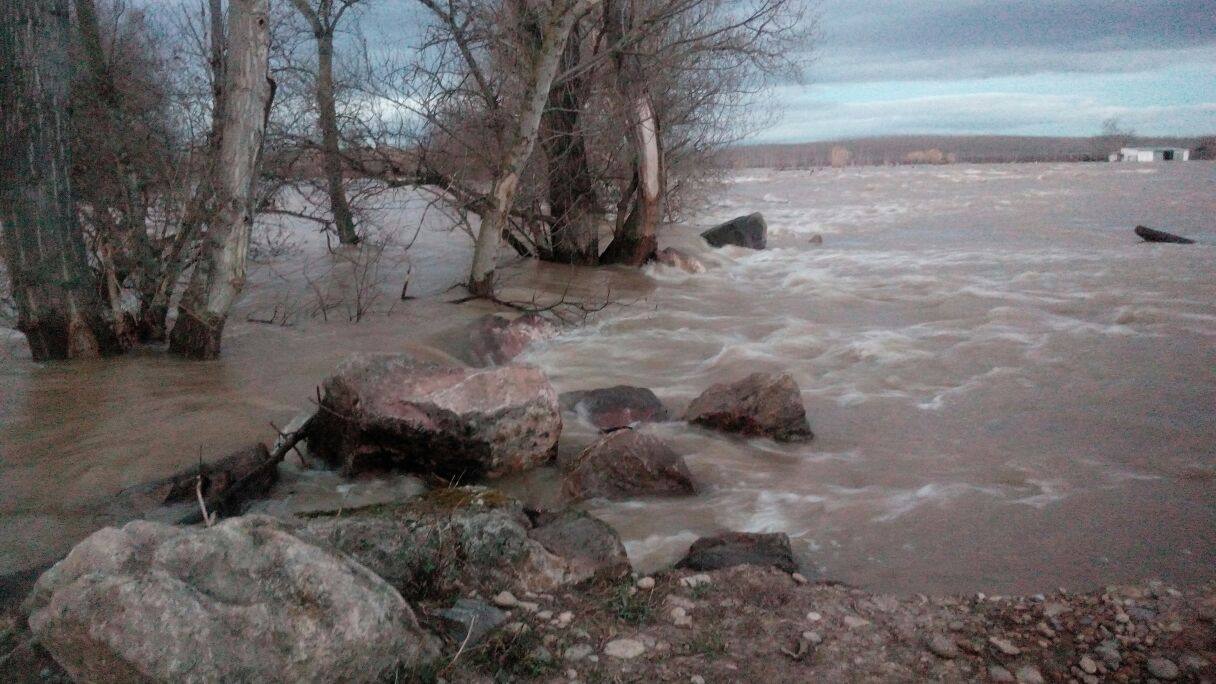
[(1015, 67)]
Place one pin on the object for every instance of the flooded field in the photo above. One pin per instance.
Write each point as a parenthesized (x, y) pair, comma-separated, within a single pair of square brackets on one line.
[(1009, 391)]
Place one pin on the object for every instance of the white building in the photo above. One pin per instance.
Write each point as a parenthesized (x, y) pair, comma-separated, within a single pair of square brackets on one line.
[(1151, 154)]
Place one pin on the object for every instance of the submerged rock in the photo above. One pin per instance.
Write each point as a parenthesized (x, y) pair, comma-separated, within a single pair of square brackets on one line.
[(495, 340), (740, 548), (762, 404), (451, 540), (627, 463), (245, 600), (1150, 235), (749, 231), (392, 411), (471, 620), (609, 408), (670, 256)]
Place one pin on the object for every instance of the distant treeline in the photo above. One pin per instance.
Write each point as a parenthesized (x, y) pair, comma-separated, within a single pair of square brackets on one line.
[(945, 149)]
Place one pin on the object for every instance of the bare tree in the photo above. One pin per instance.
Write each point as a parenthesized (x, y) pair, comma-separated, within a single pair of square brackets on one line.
[(219, 275), (58, 305), (323, 17)]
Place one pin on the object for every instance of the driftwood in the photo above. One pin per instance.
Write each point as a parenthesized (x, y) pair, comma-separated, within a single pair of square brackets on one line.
[(224, 486), (1150, 235)]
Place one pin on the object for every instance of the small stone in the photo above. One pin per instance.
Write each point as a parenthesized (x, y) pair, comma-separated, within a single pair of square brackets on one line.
[(1122, 618), (696, 679), (572, 674), (1162, 668), (943, 646), (1045, 630), (999, 674), (565, 617), (693, 581), (679, 617), (854, 622), (1004, 646), (505, 599), (799, 578), (578, 652), (1088, 665), (813, 637), (646, 583), (1030, 674), (956, 625), (813, 617), (624, 649), (544, 615)]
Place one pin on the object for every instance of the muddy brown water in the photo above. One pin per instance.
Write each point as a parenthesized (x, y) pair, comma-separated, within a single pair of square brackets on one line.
[(1010, 392)]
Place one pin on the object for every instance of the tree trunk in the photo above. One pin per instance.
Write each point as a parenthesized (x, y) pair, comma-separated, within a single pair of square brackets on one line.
[(58, 304), (502, 193), (572, 198), (636, 238), (219, 275), (331, 154)]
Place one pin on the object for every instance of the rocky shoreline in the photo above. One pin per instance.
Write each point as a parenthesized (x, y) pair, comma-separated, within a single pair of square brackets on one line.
[(464, 583)]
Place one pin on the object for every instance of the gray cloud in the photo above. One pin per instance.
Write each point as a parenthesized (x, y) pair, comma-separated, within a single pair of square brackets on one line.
[(865, 40)]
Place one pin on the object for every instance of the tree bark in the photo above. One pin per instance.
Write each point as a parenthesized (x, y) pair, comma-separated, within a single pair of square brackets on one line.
[(636, 238), (502, 192), (58, 299), (219, 275), (572, 198), (331, 154)]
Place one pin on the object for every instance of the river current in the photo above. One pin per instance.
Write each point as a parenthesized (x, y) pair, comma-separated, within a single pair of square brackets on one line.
[(1009, 391)]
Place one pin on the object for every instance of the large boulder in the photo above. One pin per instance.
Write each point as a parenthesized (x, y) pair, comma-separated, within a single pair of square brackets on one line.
[(740, 548), (625, 464), (749, 231), (760, 405), (610, 408), (397, 412), (245, 600), (495, 340), (451, 540)]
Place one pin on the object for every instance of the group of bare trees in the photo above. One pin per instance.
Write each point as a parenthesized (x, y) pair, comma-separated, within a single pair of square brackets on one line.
[(137, 152)]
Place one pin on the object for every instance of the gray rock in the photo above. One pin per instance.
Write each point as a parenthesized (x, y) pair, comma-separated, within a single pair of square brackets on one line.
[(1029, 674), (625, 649), (740, 548), (451, 540), (470, 620), (609, 408), (392, 411), (1005, 646), (749, 231), (245, 600), (943, 646), (625, 464), (999, 674), (589, 547), (1163, 668), (761, 405), (1108, 651)]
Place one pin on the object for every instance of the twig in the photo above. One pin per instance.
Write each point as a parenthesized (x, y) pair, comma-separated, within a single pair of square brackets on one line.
[(208, 518), (472, 622)]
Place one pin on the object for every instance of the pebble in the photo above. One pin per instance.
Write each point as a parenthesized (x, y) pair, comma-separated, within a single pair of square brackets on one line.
[(1004, 646), (1163, 668), (679, 617), (505, 599), (1088, 665), (693, 581), (813, 616), (578, 652), (646, 583), (854, 622), (799, 578), (1030, 674), (999, 674), (813, 637), (943, 646), (544, 615), (696, 679), (565, 618), (624, 649)]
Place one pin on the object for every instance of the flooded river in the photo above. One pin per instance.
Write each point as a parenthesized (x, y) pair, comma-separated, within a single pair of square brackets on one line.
[(1009, 391)]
